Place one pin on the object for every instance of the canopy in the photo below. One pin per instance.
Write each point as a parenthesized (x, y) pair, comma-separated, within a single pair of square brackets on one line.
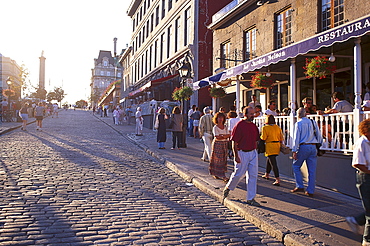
[(152, 83), (339, 34)]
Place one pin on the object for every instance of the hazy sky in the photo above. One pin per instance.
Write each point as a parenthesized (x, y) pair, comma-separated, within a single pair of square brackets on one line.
[(70, 33)]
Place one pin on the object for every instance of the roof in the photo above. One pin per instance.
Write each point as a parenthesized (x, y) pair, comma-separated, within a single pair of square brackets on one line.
[(104, 53)]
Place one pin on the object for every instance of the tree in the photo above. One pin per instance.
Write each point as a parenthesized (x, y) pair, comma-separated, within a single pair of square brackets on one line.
[(40, 94), (23, 78), (81, 103), (57, 94)]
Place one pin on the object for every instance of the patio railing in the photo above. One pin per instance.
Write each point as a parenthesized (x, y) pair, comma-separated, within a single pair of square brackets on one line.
[(337, 129)]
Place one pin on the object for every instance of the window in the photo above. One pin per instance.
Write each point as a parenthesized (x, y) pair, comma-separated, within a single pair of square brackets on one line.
[(139, 42), (156, 15), (144, 31), (141, 13), (250, 44), (119, 75), (187, 27), (133, 24), (283, 34), (102, 73), (151, 22), (161, 49), (332, 13), (169, 34), (163, 8), (224, 55), (146, 62), (108, 73), (144, 6), (150, 57), (105, 63), (147, 29), (155, 53), (169, 5), (177, 32)]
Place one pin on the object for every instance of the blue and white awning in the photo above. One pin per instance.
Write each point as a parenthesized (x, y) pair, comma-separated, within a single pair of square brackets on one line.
[(356, 28)]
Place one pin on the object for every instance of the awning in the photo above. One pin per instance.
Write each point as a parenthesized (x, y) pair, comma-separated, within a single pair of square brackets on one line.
[(152, 83), (338, 34)]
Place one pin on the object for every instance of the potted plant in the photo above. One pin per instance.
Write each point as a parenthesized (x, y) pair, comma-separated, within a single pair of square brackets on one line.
[(260, 80), (318, 67), (217, 92), (183, 93)]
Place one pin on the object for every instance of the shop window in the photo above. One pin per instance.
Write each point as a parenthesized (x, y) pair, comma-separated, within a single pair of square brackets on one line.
[(250, 44), (225, 55), (283, 33), (332, 13)]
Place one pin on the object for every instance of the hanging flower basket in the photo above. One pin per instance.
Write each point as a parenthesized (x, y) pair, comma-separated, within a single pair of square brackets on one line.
[(217, 92), (260, 80), (183, 93), (8, 93), (318, 67), (225, 82)]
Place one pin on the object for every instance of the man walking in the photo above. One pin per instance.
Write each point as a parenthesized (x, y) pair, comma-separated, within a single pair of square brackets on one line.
[(306, 135), (244, 141), (205, 132)]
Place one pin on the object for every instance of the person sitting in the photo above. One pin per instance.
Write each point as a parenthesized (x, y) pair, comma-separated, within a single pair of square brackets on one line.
[(271, 108), (341, 105)]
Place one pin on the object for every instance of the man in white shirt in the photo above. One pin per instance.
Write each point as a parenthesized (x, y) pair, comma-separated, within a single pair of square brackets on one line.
[(190, 120), (361, 161), (341, 105), (139, 122), (254, 101), (271, 108), (205, 132)]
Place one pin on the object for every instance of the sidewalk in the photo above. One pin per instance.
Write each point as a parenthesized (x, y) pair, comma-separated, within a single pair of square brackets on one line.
[(292, 218)]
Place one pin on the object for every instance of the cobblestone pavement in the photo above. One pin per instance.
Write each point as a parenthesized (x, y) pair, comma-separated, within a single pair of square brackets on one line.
[(78, 182)]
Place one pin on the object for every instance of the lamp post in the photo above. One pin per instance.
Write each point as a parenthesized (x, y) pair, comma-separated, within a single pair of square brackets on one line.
[(184, 72)]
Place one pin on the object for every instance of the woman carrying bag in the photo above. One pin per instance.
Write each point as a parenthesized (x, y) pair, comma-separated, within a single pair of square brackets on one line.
[(273, 136)]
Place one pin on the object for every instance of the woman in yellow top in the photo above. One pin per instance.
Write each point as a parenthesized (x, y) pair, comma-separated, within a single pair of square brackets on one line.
[(273, 136)]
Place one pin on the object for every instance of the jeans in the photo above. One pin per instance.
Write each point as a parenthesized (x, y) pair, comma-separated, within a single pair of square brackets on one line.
[(161, 144), (306, 153), (363, 186), (190, 127), (176, 137)]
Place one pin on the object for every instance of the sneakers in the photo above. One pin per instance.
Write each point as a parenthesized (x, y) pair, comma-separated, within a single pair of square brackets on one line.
[(253, 203), (226, 193), (352, 223)]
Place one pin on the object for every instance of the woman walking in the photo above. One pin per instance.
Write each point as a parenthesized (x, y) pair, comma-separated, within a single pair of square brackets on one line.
[(23, 113), (218, 162), (161, 133), (273, 136), (177, 127)]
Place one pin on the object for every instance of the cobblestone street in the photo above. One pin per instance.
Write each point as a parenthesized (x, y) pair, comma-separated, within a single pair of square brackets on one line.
[(78, 182)]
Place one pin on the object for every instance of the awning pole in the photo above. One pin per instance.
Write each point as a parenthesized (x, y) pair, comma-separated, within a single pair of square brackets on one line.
[(293, 99), (357, 86), (237, 96)]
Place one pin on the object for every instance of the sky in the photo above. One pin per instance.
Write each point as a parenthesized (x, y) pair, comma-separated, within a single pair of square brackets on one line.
[(70, 33)]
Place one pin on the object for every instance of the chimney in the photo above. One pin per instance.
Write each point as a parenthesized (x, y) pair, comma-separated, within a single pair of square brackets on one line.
[(115, 47)]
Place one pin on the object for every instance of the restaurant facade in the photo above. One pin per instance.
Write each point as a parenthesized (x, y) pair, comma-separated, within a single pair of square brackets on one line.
[(276, 38)]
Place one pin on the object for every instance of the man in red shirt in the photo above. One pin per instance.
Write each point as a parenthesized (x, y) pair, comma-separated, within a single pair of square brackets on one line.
[(244, 138)]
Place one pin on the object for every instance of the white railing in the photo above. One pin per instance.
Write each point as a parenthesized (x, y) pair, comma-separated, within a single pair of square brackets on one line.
[(336, 129)]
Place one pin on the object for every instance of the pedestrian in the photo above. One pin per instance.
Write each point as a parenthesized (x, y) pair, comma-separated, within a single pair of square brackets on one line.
[(115, 115), (244, 140), (231, 122), (177, 127), (305, 137), (190, 121), (39, 115), (218, 161), (121, 115), (55, 110), (128, 112), (361, 161), (23, 113), (205, 132), (139, 122), (161, 133), (273, 136), (196, 117)]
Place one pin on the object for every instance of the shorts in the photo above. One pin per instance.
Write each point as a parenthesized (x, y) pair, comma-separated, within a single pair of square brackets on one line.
[(24, 116), (39, 117), (195, 122)]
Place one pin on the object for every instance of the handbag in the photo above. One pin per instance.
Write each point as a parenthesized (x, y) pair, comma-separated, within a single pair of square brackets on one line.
[(284, 149), (172, 123), (156, 123), (320, 152), (261, 147)]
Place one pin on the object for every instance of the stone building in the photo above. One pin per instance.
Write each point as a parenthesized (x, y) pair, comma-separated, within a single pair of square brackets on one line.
[(9, 69), (166, 34), (107, 71)]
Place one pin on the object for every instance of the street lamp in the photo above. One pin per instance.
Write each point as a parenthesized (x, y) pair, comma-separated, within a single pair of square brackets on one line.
[(184, 73), (9, 82)]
